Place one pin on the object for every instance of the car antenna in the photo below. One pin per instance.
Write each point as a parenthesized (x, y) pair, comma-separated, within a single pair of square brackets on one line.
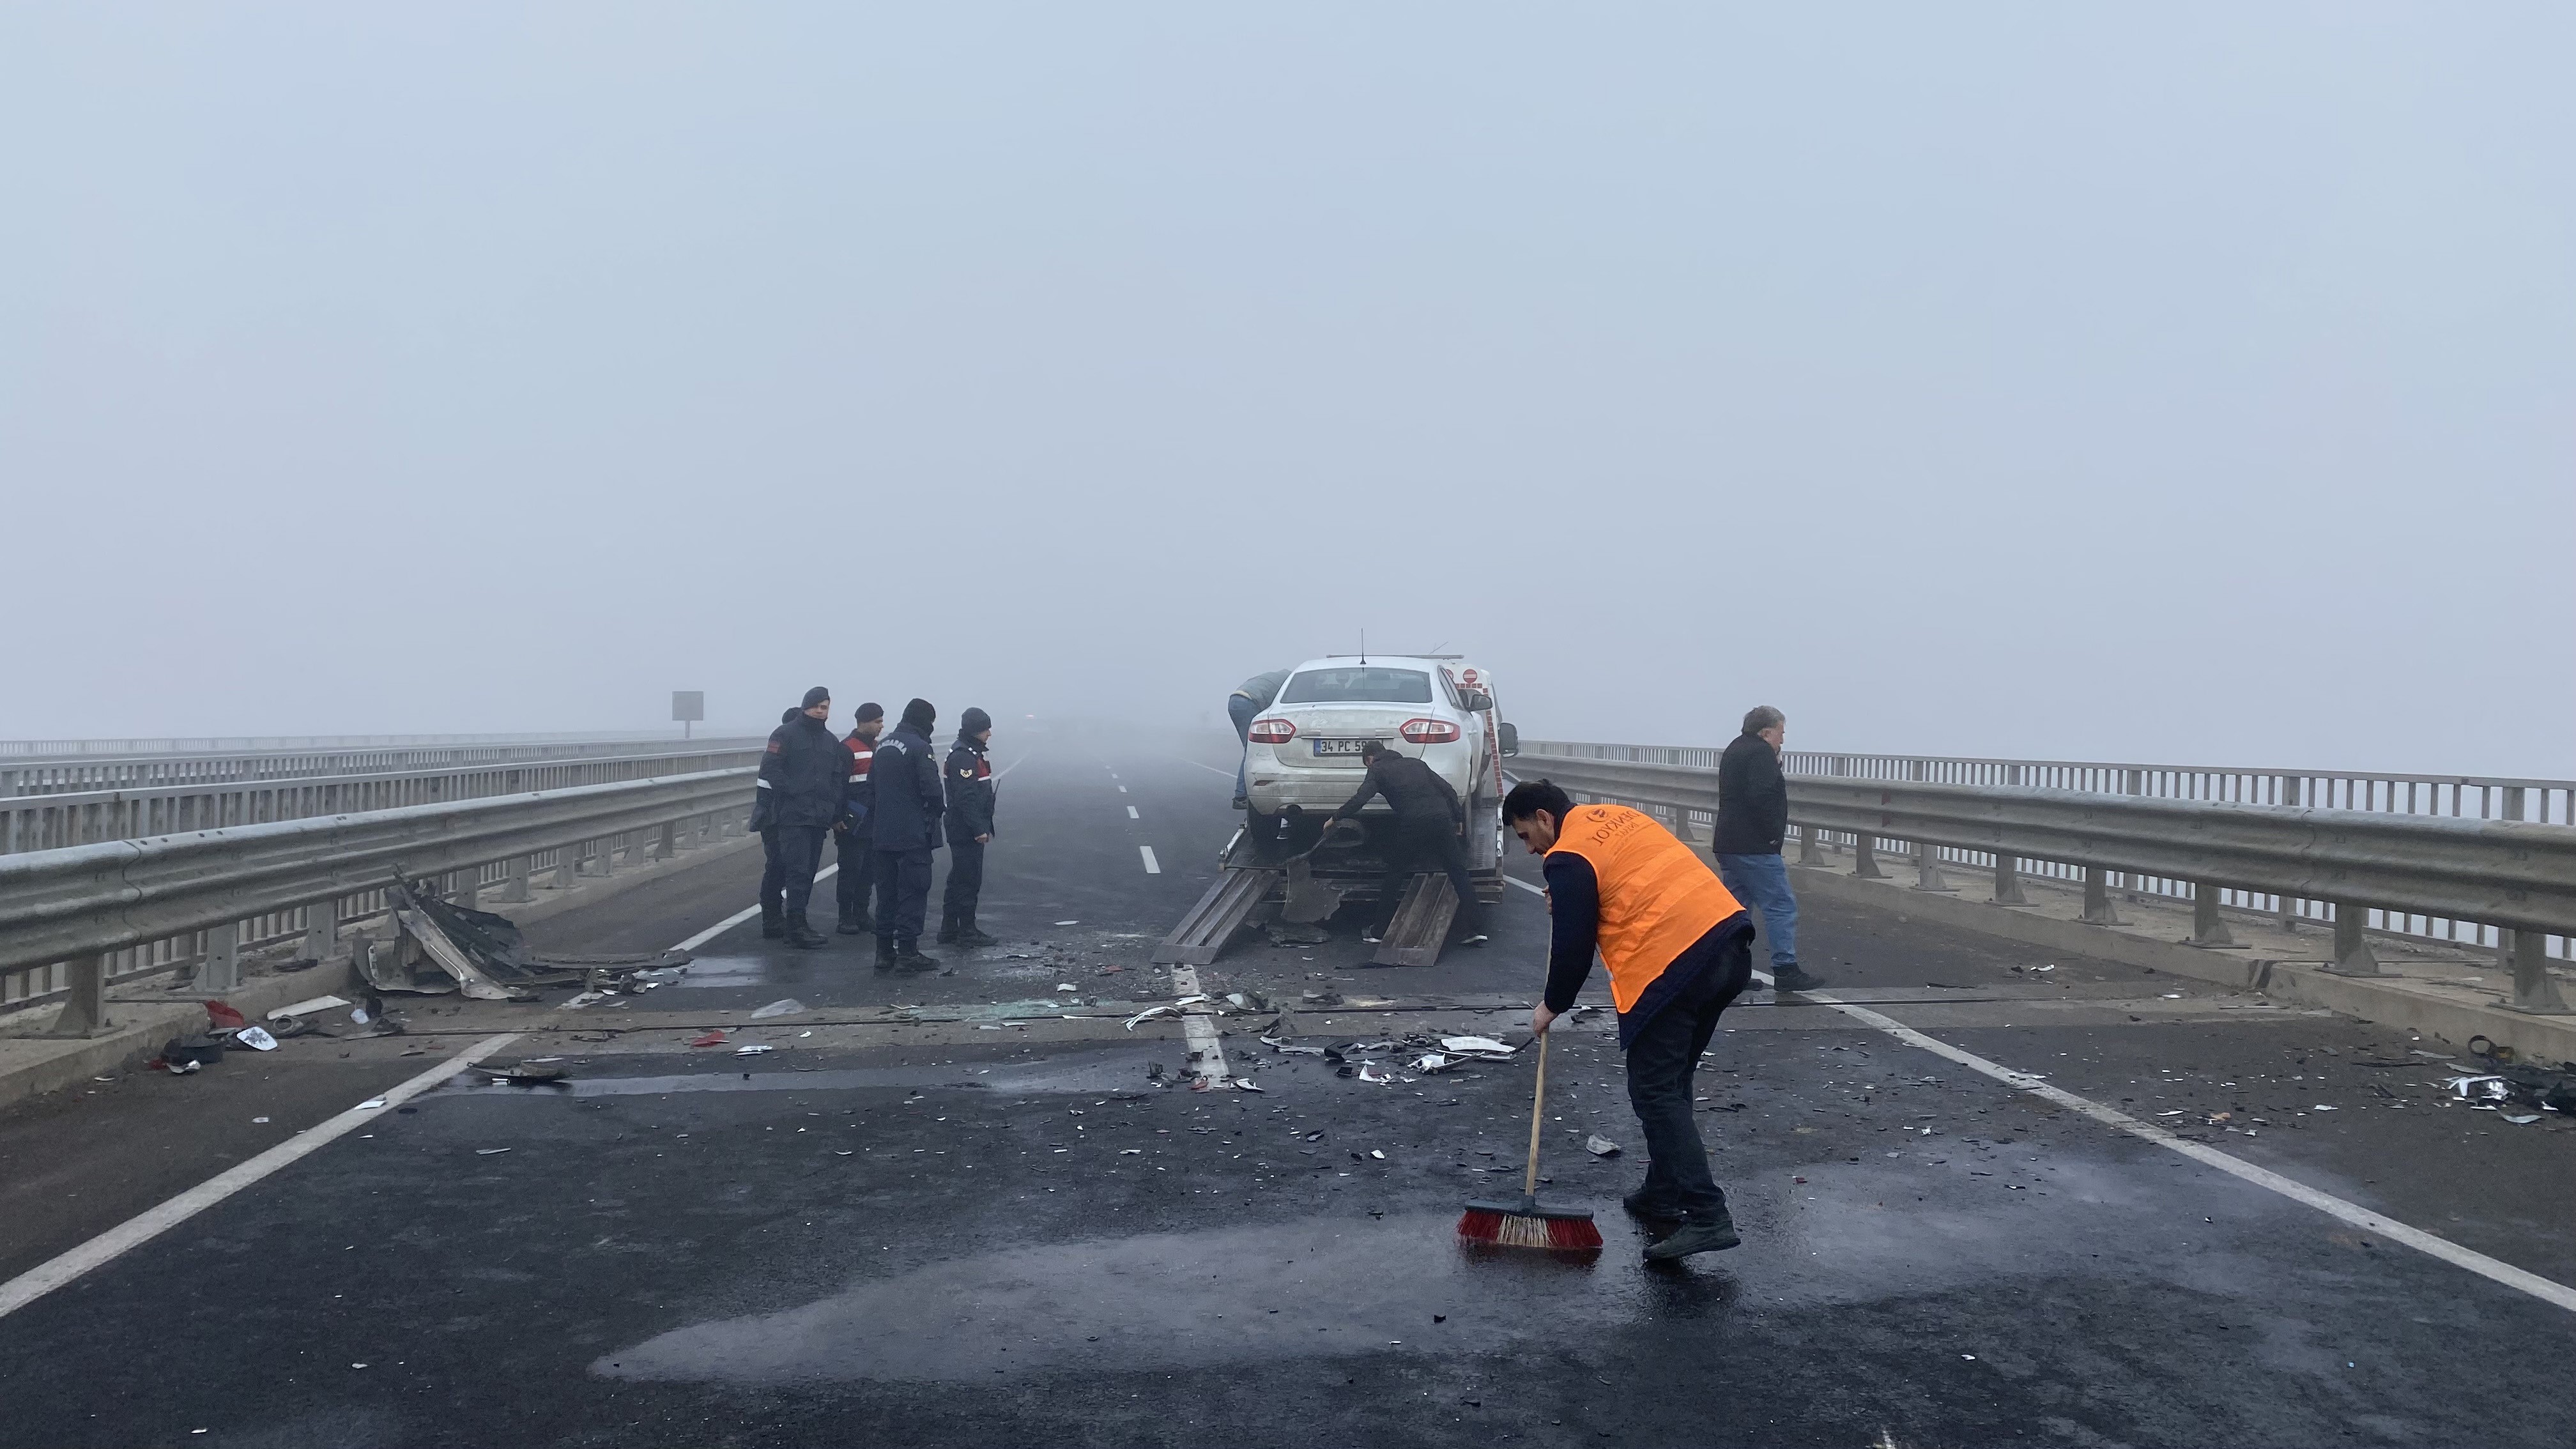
[(1364, 648)]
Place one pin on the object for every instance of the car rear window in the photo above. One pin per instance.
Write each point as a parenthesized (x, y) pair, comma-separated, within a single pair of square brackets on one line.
[(1359, 683)]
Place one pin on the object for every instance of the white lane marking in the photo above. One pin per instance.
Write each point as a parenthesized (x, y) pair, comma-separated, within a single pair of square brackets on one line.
[(1122, 789), (1152, 867), (63, 1268), (135, 1231), (1211, 769), (1198, 1027), (2492, 1269), (738, 917), (1525, 885), (1132, 815), (1013, 765)]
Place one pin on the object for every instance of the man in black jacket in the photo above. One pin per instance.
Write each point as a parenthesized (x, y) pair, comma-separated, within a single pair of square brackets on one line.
[(804, 774), (1422, 836), (969, 776), (905, 805), (1752, 820)]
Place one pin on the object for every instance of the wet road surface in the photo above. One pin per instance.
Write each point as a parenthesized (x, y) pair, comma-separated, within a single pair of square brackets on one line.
[(825, 1243)]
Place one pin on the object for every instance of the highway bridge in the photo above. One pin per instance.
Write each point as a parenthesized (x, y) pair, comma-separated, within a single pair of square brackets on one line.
[(2145, 1106)]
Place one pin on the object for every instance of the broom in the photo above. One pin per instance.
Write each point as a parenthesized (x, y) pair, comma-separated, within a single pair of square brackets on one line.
[(1526, 1222)]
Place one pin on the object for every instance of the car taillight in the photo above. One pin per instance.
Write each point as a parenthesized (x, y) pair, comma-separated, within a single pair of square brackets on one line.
[(1272, 732), (1428, 732)]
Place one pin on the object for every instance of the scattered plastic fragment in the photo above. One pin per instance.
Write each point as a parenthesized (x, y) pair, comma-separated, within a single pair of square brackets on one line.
[(1600, 1146), (1066, 986), (1377, 1155), (371, 1102), (256, 1121), (256, 1038), (1245, 1084), (784, 1006), (479, 1152), (1068, 923), (1369, 1072), (1483, 1046), (2522, 1121), (585, 999), (2322, 1107), (713, 1038), (307, 1007), (525, 1074), (753, 1050)]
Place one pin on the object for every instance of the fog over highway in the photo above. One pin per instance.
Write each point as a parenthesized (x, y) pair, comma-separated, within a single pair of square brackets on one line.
[(2173, 385)]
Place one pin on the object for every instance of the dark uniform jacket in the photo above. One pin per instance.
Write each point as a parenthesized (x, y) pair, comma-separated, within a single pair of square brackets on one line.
[(1413, 789), (804, 773), (858, 804), (970, 792), (1752, 799), (904, 802)]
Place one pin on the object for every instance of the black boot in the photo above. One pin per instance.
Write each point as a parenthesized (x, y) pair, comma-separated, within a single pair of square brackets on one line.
[(947, 930), (1794, 977), (908, 961), (802, 936), (1654, 1209), (858, 925), (773, 921), (1695, 1235), (970, 934), (885, 953)]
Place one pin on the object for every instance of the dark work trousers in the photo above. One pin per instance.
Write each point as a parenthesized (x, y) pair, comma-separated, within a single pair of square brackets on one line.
[(858, 877), (965, 881), (903, 895), (773, 875), (1411, 847), (798, 856), (1662, 1057)]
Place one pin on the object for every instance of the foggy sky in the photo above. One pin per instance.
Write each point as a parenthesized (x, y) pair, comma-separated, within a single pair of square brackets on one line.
[(2187, 384)]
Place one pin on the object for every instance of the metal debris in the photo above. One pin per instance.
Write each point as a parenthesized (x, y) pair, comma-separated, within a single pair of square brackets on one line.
[(783, 1006)]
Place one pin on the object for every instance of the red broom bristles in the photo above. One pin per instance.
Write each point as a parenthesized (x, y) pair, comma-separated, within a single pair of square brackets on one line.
[(1527, 1230)]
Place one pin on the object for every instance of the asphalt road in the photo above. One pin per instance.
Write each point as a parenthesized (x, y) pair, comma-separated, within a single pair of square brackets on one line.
[(934, 1213)]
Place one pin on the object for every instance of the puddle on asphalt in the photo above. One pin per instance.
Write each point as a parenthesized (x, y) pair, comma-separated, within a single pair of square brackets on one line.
[(1162, 1299)]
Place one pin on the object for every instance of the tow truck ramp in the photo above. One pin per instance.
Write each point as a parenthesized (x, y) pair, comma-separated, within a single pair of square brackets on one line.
[(1218, 915), (1421, 925)]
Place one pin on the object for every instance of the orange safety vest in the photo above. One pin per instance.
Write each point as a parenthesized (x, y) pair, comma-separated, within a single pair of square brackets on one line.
[(1657, 897)]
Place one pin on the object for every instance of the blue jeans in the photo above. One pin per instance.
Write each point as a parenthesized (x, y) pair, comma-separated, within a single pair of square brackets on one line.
[(1243, 712), (1762, 882)]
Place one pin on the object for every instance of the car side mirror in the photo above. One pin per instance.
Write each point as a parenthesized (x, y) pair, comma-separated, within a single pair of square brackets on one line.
[(1510, 736), (1475, 701)]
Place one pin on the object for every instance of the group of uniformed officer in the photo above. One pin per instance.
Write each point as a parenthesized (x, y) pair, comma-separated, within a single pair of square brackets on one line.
[(885, 803)]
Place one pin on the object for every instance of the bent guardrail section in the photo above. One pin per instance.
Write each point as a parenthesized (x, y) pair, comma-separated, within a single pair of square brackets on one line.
[(72, 908)]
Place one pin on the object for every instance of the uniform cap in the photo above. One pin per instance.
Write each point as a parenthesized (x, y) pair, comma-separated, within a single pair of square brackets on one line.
[(817, 695), (868, 711), (973, 722)]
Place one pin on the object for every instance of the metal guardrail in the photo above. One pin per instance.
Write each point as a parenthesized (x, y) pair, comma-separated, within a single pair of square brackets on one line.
[(74, 909), (141, 772), (60, 819), (247, 744), (2340, 866), (2481, 797)]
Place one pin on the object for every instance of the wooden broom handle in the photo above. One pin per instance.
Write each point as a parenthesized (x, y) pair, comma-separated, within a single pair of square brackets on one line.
[(1538, 1100)]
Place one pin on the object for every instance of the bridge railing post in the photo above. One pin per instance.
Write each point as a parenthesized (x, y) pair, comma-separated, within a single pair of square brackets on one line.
[(2098, 910), (2533, 991), (2207, 929), (2008, 880), (514, 884), (321, 930), (2352, 953), (221, 970), (1865, 857), (84, 1010), (1809, 851), (1927, 869)]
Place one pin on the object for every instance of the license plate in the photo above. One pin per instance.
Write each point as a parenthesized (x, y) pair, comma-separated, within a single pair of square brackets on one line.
[(1338, 747)]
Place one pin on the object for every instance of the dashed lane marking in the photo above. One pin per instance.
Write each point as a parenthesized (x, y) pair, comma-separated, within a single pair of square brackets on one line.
[(1524, 885), (1211, 769), (738, 917), (134, 1232), (1152, 867), (1131, 813), (1122, 789), (2493, 1269)]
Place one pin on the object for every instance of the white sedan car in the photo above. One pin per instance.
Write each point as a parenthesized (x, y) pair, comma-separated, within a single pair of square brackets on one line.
[(1304, 750)]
